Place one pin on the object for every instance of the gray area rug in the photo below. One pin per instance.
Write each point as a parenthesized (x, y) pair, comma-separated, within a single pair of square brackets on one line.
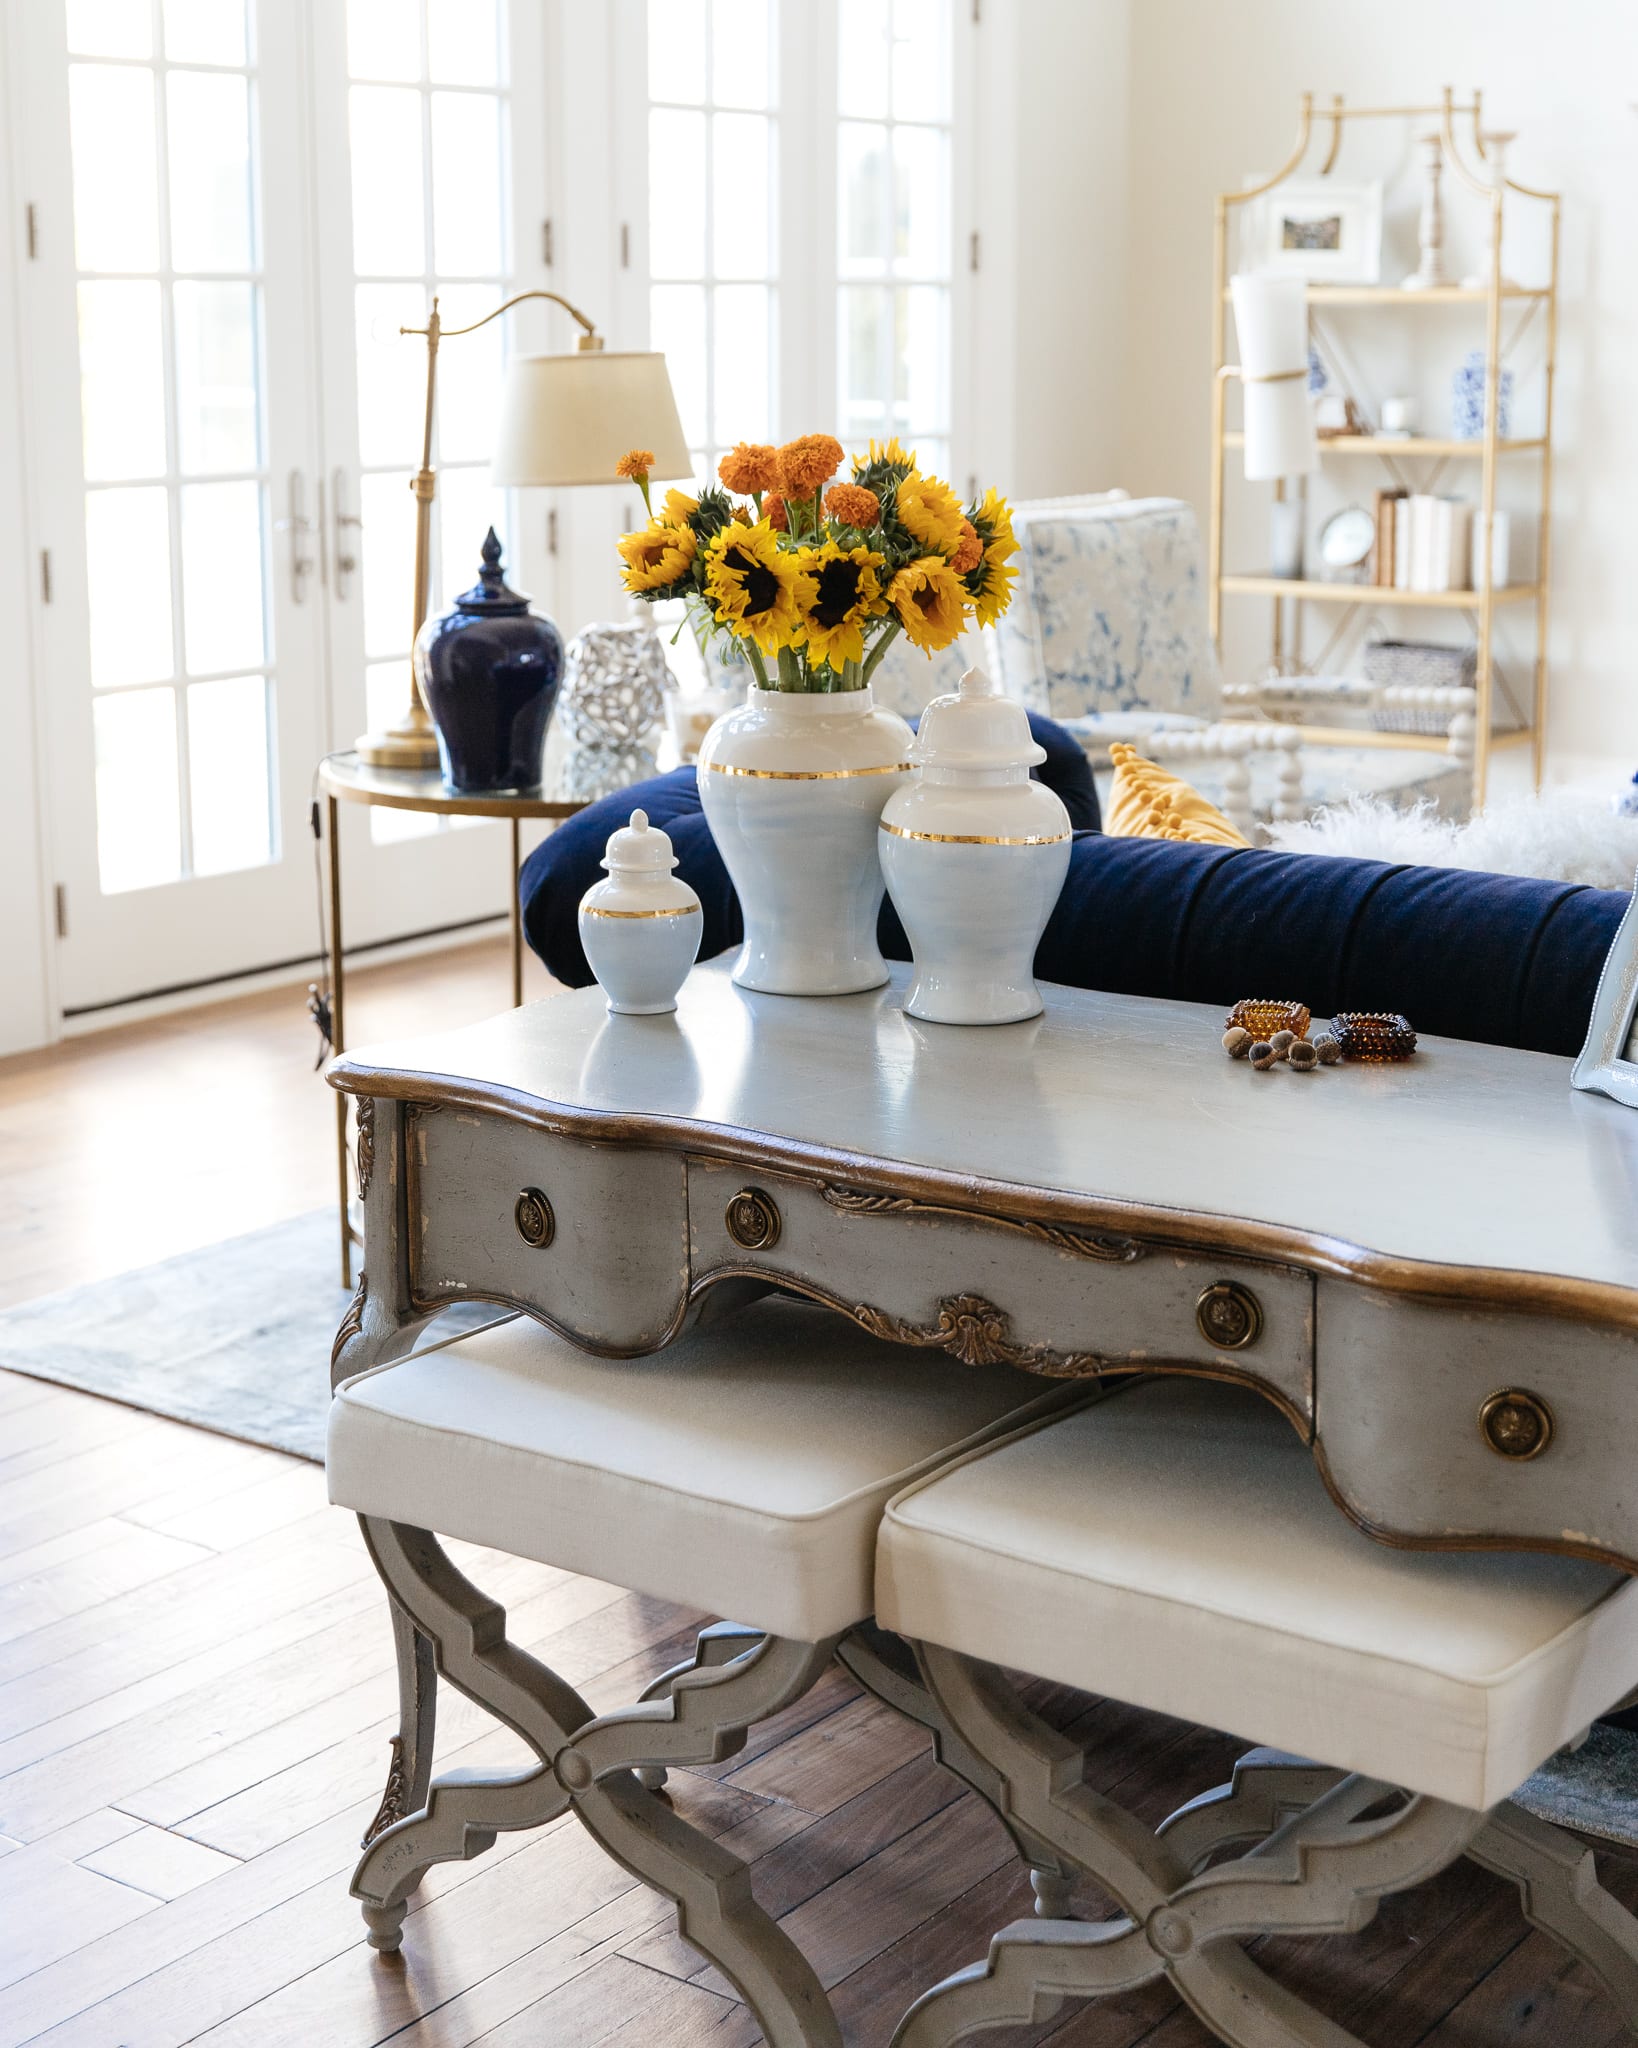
[(235, 1337)]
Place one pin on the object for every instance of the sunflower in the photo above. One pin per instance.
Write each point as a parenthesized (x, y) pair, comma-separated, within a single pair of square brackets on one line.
[(930, 601), (678, 509), (990, 585), (931, 513), (846, 592), (885, 458), (755, 590), (656, 556), (990, 581)]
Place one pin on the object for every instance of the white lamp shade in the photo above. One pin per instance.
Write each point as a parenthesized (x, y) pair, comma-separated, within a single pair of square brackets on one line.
[(1271, 321), (567, 419)]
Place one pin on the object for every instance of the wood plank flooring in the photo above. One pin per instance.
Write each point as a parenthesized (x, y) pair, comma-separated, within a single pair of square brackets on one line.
[(196, 1693)]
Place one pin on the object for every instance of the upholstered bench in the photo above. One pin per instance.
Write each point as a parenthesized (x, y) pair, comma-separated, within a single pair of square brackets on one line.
[(743, 1471), (1172, 1545)]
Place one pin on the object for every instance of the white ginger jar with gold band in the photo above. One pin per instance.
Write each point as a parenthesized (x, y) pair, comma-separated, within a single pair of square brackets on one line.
[(793, 783), (975, 855), (641, 927)]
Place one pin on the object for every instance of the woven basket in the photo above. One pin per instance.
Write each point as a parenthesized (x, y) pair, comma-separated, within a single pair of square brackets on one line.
[(1422, 662)]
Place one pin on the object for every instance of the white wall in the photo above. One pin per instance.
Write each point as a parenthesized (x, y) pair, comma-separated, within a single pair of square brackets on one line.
[(1213, 98)]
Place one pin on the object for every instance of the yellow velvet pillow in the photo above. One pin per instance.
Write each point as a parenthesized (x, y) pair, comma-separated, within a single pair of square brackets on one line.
[(1148, 802)]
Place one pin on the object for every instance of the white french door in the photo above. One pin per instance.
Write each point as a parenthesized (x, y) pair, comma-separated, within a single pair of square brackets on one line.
[(232, 209)]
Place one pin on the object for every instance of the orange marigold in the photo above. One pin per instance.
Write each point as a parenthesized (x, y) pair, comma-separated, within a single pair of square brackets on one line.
[(971, 551), (750, 466), (636, 462), (808, 462), (853, 505), (773, 510)]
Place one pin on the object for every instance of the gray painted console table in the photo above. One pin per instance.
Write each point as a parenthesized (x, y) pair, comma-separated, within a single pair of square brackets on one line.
[(1430, 1269)]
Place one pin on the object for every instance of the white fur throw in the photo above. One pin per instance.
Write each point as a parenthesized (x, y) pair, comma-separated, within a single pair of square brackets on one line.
[(1556, 836)]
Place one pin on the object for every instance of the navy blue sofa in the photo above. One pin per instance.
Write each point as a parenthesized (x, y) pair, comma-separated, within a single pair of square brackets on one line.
[(1495, 958)]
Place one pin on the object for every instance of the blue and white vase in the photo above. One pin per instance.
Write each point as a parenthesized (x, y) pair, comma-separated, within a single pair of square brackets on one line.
[(1467, 399)]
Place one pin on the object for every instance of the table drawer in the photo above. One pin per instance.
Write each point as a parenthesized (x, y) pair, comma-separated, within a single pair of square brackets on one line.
[(1418, 1444), (1052, 1299), (591, 1238)]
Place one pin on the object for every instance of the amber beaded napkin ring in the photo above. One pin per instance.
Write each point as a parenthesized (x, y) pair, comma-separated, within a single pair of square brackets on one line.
[(1268, 1032)]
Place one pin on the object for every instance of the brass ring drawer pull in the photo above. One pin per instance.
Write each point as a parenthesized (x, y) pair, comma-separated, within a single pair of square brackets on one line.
[(753, 1220), (1229, 1316), (532, 1214), (1516, 1424)]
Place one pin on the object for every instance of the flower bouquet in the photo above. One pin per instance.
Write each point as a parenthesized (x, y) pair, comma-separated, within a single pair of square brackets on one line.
[(812, 581), (816, 579)]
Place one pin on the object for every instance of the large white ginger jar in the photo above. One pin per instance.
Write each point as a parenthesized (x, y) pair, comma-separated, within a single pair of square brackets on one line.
[(641, 926), (975, 855), (793, 785)]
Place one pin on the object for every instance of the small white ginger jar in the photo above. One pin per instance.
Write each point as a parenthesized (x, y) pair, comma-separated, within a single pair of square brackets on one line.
[(975, 854), (640, 928), (792, 784)]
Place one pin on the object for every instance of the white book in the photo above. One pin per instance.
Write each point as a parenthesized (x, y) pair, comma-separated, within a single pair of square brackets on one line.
[(1460, 552), (1423, 515), (1440, 529), (1403, 521)]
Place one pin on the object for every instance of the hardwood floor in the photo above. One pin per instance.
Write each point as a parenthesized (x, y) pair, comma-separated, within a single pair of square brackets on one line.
[(196, 1691)]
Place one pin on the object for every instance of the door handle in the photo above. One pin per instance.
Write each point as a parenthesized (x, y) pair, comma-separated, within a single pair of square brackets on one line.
[(298, 526), (343, 560)]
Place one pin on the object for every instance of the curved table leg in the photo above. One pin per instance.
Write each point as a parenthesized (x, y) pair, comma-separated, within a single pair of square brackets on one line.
[(1557, 1880), (885, 1665), (1323, 1870), (589, 1763)]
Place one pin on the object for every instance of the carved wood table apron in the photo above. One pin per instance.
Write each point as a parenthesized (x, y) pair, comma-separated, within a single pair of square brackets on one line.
[(1430, 1269)]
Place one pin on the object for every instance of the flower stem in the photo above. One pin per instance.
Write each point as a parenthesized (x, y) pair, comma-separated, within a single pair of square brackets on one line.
[(790, 673), (755, 654), (873, 659)]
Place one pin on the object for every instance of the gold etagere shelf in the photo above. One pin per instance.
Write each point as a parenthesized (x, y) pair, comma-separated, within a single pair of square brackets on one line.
[(1483, 603)]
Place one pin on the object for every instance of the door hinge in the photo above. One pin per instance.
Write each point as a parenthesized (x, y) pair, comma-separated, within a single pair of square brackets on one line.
[(45, 575), (546, 255), (31, 216), (625, 245), (60, 900), (972, 250), (978, 12), (551, 531)]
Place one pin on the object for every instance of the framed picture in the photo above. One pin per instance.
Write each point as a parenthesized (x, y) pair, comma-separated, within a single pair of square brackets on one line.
[(1608, 1062), (1323, 229)]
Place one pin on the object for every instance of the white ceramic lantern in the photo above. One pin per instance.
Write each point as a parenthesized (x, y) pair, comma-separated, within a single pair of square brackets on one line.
[(974, 854), (641, 927)]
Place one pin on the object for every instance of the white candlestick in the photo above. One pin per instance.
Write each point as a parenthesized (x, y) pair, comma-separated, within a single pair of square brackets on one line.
[(1430, 271)]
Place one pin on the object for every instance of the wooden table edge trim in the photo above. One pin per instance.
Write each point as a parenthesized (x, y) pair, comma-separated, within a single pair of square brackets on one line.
[(1520, 1292)]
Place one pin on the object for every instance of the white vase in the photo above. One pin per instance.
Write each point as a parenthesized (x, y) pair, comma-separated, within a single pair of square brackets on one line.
[(641, 927), (793, 786), (975, 855)]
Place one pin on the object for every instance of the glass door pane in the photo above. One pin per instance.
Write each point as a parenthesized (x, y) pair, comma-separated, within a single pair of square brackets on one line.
[(168, 289), (170, 409)]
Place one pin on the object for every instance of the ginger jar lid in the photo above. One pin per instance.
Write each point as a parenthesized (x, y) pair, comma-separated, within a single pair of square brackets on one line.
[(975, 727), (639, 849)]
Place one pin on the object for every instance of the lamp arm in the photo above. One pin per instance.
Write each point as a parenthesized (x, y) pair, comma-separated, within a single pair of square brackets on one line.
[(589, 340)]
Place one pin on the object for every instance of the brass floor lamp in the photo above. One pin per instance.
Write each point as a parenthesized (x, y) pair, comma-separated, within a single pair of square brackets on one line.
[(565, 419)]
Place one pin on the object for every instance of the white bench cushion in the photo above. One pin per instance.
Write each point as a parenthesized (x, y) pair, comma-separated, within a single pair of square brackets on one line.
[(1174, 1546), (742, 1470)]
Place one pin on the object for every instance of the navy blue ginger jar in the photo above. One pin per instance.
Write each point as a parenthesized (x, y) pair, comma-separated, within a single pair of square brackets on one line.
[(489, 670)]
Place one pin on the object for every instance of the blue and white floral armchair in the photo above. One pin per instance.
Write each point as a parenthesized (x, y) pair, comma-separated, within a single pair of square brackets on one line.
[(1107, 634)]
